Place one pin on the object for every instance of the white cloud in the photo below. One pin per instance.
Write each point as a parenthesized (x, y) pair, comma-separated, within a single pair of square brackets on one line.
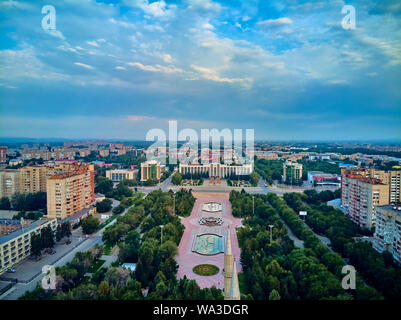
[(83, 65), (156, 68), (93, 43), (56, 34), (210, 74), (275, 22), (155, 9)]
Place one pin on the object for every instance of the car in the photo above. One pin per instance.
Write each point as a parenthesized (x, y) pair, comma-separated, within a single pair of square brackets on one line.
[(11, 270)]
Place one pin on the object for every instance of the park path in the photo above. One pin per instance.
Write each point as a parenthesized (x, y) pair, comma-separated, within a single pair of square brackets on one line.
[(187, 259)]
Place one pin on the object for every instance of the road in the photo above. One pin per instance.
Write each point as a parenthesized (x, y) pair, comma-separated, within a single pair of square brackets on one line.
[(164, 186)]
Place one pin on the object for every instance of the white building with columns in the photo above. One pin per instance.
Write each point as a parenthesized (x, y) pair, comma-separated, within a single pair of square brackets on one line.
[(216, 170)]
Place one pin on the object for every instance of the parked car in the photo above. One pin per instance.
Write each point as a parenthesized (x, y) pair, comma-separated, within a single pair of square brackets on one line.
[(11, 270)]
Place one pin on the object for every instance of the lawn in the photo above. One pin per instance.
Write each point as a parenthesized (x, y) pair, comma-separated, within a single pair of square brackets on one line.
[(108, 221), (205, 270), (107, 249), (96, 265)]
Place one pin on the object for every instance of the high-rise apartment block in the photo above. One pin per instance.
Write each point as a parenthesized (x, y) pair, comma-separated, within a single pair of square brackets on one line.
[(360, 195), (69, 193), (292, 171), (3, 154), (9, 182), (387, 235)]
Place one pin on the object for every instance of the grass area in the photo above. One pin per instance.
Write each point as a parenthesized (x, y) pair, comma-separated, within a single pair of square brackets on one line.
[(107, 249), (205, 270), (96, 265), (108, 221)]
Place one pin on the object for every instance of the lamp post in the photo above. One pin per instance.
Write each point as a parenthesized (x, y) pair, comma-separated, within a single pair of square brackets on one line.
[(174, 203), (161, 236), (271, 232), (253, 205)]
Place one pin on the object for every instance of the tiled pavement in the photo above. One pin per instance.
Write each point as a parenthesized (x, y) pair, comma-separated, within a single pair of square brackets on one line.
[(187, 259)]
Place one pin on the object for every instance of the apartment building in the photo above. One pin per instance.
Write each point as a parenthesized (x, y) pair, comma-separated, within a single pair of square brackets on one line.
[(387, 236), (391, 178), (45, 154), (16, 246), (9, 182), (292, 171), (104, 152), (3, 154), (359, 197), (118, 175), (34, 178), (69, 193)]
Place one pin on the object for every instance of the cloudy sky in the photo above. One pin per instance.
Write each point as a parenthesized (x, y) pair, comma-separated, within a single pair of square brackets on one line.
[(285, 68)]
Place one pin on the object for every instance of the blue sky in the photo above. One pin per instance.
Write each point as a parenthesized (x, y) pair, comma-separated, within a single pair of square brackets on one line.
[(285, 68)]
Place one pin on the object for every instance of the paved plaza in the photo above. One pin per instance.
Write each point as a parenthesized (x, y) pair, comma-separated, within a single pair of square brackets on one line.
[(187, 259)]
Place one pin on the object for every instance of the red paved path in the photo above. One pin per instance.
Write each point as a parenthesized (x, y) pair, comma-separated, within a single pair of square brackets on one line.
[(187, 259)]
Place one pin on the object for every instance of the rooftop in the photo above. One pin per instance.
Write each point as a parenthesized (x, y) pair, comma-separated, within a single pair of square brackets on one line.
[(17, 233)]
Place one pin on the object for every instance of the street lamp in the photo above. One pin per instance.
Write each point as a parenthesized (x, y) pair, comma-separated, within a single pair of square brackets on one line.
[(271, 232), (174, 203), (253, 205), (161, 237)]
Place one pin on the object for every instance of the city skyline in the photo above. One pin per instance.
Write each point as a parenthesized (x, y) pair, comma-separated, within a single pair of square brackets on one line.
[(116, 69)]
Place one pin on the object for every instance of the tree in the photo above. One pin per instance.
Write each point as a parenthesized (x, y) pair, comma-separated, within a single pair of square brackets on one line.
[(129, 248), (104, 185), (274, 295), (89, 225), (168, 249), (5, 204), (36, 245), (104, 290), (47, 237), (104, 206), (176, 179), (254, 178)]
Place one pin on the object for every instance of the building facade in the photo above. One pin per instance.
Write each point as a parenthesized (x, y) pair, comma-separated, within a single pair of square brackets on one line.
[(3, 154), (392, 178), (387, 236), (16, 246), (9, 183), (292, 171), (359, 197), (118, 175), (216, 170), (69, 193), (321, 178), (150, 170)]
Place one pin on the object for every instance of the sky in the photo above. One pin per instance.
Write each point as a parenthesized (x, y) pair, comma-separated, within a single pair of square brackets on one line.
[(285, 68)]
